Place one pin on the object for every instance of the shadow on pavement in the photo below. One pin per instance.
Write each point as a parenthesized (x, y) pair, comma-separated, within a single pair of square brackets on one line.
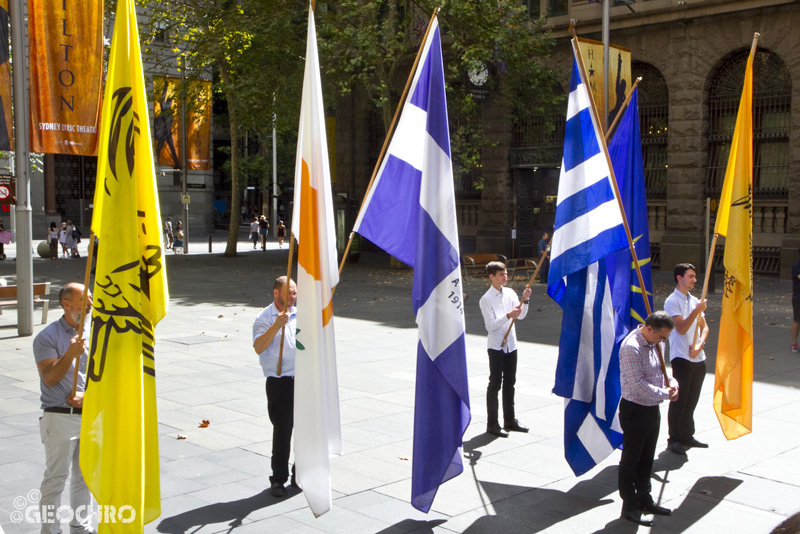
[(471, 447), (704, 496), (413, 525), (527, 509), (231, 512)]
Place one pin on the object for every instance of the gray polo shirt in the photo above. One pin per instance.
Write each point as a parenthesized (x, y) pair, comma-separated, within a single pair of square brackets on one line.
[(53, 342)]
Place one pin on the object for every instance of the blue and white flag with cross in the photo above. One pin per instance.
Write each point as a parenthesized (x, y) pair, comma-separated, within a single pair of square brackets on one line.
[(410, 212)]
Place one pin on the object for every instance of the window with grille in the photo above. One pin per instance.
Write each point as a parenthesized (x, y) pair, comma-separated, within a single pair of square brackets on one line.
[(653, 125), (772, 98)]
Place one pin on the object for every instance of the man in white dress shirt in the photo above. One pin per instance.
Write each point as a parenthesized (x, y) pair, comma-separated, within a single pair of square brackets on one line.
[(500, 306), (687, 356)]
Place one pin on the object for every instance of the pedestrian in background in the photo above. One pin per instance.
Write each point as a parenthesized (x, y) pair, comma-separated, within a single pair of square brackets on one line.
[(62, 239), (168, 235), (254, 227), (52, 240), (796, 302)]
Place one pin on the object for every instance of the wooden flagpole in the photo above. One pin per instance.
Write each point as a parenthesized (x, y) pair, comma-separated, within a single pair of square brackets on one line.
[(389, 135), (286, 299), (530, 283), (86, 278), (613, 179), (709, 266), (622, 108)]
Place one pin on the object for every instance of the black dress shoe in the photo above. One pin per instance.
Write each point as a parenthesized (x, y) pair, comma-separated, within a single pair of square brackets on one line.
[(677, 448), (635, 516), (694, 443), (515, 427), (276, 490), (655, 509), (495, 430)]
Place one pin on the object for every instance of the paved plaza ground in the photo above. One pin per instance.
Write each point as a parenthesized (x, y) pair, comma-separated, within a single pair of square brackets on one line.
[(215, 480)]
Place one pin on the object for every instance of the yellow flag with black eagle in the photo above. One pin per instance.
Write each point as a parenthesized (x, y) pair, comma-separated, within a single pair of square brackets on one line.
[(119, 433), (733, 380)]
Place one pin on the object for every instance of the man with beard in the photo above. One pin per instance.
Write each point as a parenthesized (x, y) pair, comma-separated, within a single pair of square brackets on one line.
[(57, 349), (267, 337)]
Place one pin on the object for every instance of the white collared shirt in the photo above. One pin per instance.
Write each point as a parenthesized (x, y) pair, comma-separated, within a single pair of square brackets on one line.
[(682, 305), (494, 307), (269, 358)]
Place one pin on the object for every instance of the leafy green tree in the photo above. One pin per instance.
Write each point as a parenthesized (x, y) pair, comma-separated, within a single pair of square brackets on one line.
[(372, 44), (254, 47)]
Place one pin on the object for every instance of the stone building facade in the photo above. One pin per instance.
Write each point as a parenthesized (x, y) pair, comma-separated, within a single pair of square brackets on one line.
[(691, 54)]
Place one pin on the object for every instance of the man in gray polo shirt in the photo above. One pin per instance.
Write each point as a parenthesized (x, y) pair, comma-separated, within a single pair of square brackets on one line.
[(56, 350)]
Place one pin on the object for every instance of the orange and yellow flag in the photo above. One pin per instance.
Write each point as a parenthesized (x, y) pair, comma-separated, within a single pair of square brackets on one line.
[(317, 428), (119, 430), (733, 383), (66, 75)]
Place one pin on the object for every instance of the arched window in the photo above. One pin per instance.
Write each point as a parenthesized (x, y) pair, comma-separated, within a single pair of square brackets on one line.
[(772, 99), (653, 124)]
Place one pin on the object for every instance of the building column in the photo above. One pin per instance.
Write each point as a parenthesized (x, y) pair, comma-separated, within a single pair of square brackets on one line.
[(50, 185)]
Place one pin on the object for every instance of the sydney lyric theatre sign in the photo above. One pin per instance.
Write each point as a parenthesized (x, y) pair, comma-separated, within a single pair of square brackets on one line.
[(66, 69)]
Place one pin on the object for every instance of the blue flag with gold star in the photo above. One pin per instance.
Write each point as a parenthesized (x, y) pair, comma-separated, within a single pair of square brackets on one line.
[(625, 149)]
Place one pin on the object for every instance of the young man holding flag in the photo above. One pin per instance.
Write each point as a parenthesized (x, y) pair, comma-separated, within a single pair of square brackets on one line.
[(500, 306), (687, 357)]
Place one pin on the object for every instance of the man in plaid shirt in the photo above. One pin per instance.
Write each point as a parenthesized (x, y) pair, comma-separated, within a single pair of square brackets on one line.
[(645, 385)]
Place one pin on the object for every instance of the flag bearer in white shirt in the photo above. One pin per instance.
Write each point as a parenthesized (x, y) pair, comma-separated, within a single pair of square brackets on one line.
[(500, 306)]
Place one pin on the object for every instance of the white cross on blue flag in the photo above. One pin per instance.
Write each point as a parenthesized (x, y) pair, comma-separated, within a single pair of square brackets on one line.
[(588, 227), (410, 213)]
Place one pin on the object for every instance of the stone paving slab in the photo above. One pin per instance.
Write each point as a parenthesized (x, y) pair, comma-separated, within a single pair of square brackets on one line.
[(215, 480)]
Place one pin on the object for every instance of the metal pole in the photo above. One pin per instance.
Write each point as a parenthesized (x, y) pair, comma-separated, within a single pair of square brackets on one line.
[(23, 211), (274, 172), (606, 62), (184, 159)]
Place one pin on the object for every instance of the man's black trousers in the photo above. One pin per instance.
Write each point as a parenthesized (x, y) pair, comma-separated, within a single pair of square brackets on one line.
[(280, 405)]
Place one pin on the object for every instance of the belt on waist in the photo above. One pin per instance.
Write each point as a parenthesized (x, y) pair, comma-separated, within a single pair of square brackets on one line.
[(63, 409)]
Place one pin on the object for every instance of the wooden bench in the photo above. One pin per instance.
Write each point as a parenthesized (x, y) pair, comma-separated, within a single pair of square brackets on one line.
[(41, 295), (477, 262), (528, 266)]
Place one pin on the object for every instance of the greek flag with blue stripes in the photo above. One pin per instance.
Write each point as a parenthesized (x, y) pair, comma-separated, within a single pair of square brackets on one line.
[(588, 226), (410, 213)]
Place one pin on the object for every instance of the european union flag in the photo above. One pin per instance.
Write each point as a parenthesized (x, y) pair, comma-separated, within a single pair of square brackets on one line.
[(626, 157)]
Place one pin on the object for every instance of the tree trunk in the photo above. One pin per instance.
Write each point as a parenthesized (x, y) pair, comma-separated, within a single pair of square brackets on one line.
[(236, 197)]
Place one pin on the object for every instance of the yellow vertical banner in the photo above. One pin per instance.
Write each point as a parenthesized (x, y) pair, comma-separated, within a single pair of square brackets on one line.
[(167, 130), (6, 128), (619, 78), (119, 431), (198, 127), (733, 377), (166, 123), (66, 75)]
